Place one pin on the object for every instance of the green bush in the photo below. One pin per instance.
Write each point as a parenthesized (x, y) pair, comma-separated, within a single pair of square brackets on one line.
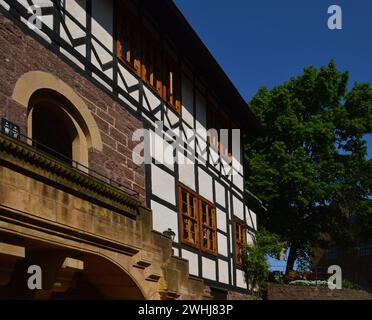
[(256, 268), (309, 283), (346, 284)]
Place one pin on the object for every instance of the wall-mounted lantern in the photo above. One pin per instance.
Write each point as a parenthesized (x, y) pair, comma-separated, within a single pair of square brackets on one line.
[(170, 234)]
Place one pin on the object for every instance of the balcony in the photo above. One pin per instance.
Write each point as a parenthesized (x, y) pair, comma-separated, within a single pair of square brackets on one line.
[(25, 155)]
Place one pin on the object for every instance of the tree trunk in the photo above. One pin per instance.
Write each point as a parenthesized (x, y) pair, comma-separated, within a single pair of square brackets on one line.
[(291, 258)]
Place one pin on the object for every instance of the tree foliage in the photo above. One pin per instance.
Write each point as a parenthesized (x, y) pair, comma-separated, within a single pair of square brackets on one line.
[(311, 169), (256, 267)]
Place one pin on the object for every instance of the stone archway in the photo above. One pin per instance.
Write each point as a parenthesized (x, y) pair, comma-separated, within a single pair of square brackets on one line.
[(101, 279), (31, 82), (66, 274), (56, 129)]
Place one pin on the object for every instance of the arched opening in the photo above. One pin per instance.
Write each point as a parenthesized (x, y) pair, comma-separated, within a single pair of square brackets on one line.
[(35, 86), (55, 129), (101, 279), (87, 276)]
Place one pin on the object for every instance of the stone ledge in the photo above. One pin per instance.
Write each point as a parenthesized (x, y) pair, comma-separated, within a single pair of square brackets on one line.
[(24, 220), (16, 154)]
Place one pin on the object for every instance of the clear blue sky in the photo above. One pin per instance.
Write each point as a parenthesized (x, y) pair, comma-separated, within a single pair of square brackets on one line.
[(265, 42)]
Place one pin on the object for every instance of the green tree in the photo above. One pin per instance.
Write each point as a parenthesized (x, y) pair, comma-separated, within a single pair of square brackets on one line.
[(311, 169), (256, 267)]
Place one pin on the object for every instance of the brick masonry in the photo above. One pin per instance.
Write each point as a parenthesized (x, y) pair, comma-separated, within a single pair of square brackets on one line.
[(235, 296), (287, 292), (227, 295), (19, 54)]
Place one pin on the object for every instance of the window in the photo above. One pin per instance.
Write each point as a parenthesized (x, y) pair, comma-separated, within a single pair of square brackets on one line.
[(128, 43), (198, 222), (219, 125), (208, 227), (172, 88), (147, 57), (240, 241), (365, 250), (189, 218), (152, 63)]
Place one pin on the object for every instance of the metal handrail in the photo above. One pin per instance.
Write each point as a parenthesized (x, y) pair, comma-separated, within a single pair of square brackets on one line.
[(50, 152)]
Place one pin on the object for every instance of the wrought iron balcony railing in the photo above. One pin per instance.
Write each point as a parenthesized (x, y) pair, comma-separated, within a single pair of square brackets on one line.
[(13, 131), (21, 147)]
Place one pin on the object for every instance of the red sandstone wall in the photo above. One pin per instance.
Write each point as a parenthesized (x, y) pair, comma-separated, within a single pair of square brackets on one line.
[(287, 292), (227, 295), (19, 54)]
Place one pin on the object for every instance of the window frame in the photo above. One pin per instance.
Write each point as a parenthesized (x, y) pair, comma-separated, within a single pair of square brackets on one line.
[(133, 30), (216, 118), (172, 83), (198, 219), (152, 48), (210, 227), (237, 242), (166, 80), (195, 219)]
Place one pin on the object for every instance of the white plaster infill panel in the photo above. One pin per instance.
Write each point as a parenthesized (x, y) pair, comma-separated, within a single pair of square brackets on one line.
[(238, 181), (164, 218), (77, 9), (222, 244), (161, 150), (221, 220), (251, 218), (193, 262), (223, 271), (220, 194), (186, 171), (163, 185), (240, 281), (238, 208), (209, 269), (205, 185)]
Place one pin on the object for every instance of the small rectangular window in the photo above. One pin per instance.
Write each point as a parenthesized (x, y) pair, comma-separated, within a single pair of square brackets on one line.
[(208, 227), (189, 218), (128, 42), (152, 62), (172, 83), (240, 242), (219, 131)]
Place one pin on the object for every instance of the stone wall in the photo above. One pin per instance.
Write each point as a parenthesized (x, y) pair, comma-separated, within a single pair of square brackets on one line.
[(235, 296), (20, 54), (221, 294), (287, 292)]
